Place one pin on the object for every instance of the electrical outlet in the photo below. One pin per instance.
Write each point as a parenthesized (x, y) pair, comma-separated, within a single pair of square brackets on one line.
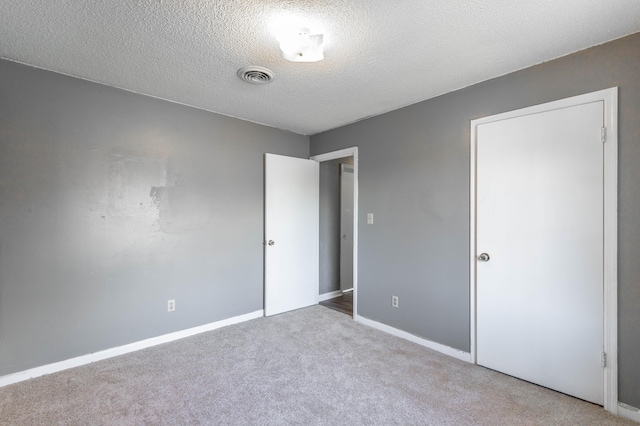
[(394, 301), (171, 305)]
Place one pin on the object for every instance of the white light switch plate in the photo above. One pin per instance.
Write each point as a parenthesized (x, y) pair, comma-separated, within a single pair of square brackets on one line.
[(369, 218)]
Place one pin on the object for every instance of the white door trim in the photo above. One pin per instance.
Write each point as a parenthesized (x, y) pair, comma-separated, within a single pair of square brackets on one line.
[(610, 99), (348, 152)]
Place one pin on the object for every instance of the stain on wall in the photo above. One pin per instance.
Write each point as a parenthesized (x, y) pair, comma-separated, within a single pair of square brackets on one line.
[(112, 203)]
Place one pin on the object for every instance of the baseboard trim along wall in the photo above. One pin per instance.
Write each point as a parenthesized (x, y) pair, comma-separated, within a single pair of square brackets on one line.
[(330, 295), (624, 410), (447, 350), (121, 350), (628, 412)]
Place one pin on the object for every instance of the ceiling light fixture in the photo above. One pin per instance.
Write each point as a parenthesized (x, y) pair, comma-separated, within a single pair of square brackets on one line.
[(300, 46)]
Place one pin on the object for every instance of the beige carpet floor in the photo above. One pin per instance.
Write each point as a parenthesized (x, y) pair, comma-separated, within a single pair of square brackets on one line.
[(313, 366)]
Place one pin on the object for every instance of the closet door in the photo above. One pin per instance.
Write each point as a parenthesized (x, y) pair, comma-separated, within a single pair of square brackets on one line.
[(540, 248)]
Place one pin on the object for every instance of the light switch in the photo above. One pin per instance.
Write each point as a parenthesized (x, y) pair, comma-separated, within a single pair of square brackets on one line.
[(369, 218)]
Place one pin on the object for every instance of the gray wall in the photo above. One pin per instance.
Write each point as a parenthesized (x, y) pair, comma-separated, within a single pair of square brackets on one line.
[(330, 224), (111, 203), (414, 175)]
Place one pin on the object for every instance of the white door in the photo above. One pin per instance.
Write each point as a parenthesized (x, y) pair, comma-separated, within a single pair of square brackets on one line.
[(346, 227), (540, 221), (291, 233)]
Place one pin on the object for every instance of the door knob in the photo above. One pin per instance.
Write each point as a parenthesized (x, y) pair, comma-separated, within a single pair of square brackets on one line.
[(271, 242), (484, 257)]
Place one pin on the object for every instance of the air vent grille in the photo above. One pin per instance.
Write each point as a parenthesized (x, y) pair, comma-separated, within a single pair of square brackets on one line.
[(256, 75)]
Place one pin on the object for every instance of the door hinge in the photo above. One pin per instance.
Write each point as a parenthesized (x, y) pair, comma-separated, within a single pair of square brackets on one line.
[(603, 134), (603, 360)]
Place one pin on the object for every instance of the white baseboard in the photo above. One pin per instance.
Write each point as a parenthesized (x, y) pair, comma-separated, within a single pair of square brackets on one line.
[(331, 295), (121, 350), (447, 350), (628, 412), (624, 410)]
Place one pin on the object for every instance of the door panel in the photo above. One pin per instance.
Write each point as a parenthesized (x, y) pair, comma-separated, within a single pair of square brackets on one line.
[(540, 219), (291, 233), (346, 227)]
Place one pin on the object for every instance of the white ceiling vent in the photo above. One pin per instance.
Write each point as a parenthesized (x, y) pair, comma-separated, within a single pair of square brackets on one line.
[(256, 75)]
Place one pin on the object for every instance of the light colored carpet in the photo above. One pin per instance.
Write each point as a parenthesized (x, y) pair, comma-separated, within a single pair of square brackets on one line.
[(309, 367)]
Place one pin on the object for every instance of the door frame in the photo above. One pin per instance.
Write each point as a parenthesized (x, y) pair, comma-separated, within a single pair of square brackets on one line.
[(610, 278), (334, 155)]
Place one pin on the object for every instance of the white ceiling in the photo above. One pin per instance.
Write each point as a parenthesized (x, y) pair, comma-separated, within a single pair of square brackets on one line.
[(380, 54)]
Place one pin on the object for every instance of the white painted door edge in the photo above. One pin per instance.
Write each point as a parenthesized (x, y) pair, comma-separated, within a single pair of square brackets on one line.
[(438, 347), (610, 99), (121, 350), (349, 152)]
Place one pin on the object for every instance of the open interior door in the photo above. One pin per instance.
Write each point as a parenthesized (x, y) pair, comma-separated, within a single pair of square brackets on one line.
[(291, 233)]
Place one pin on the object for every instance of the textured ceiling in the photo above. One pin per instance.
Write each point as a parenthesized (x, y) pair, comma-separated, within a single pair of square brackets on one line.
[(380, 54)]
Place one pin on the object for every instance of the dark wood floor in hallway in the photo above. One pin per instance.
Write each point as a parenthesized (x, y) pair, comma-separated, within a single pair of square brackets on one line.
[(343, 303)]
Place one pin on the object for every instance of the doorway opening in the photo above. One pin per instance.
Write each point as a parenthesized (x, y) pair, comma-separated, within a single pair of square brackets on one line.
[(337, 284)]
